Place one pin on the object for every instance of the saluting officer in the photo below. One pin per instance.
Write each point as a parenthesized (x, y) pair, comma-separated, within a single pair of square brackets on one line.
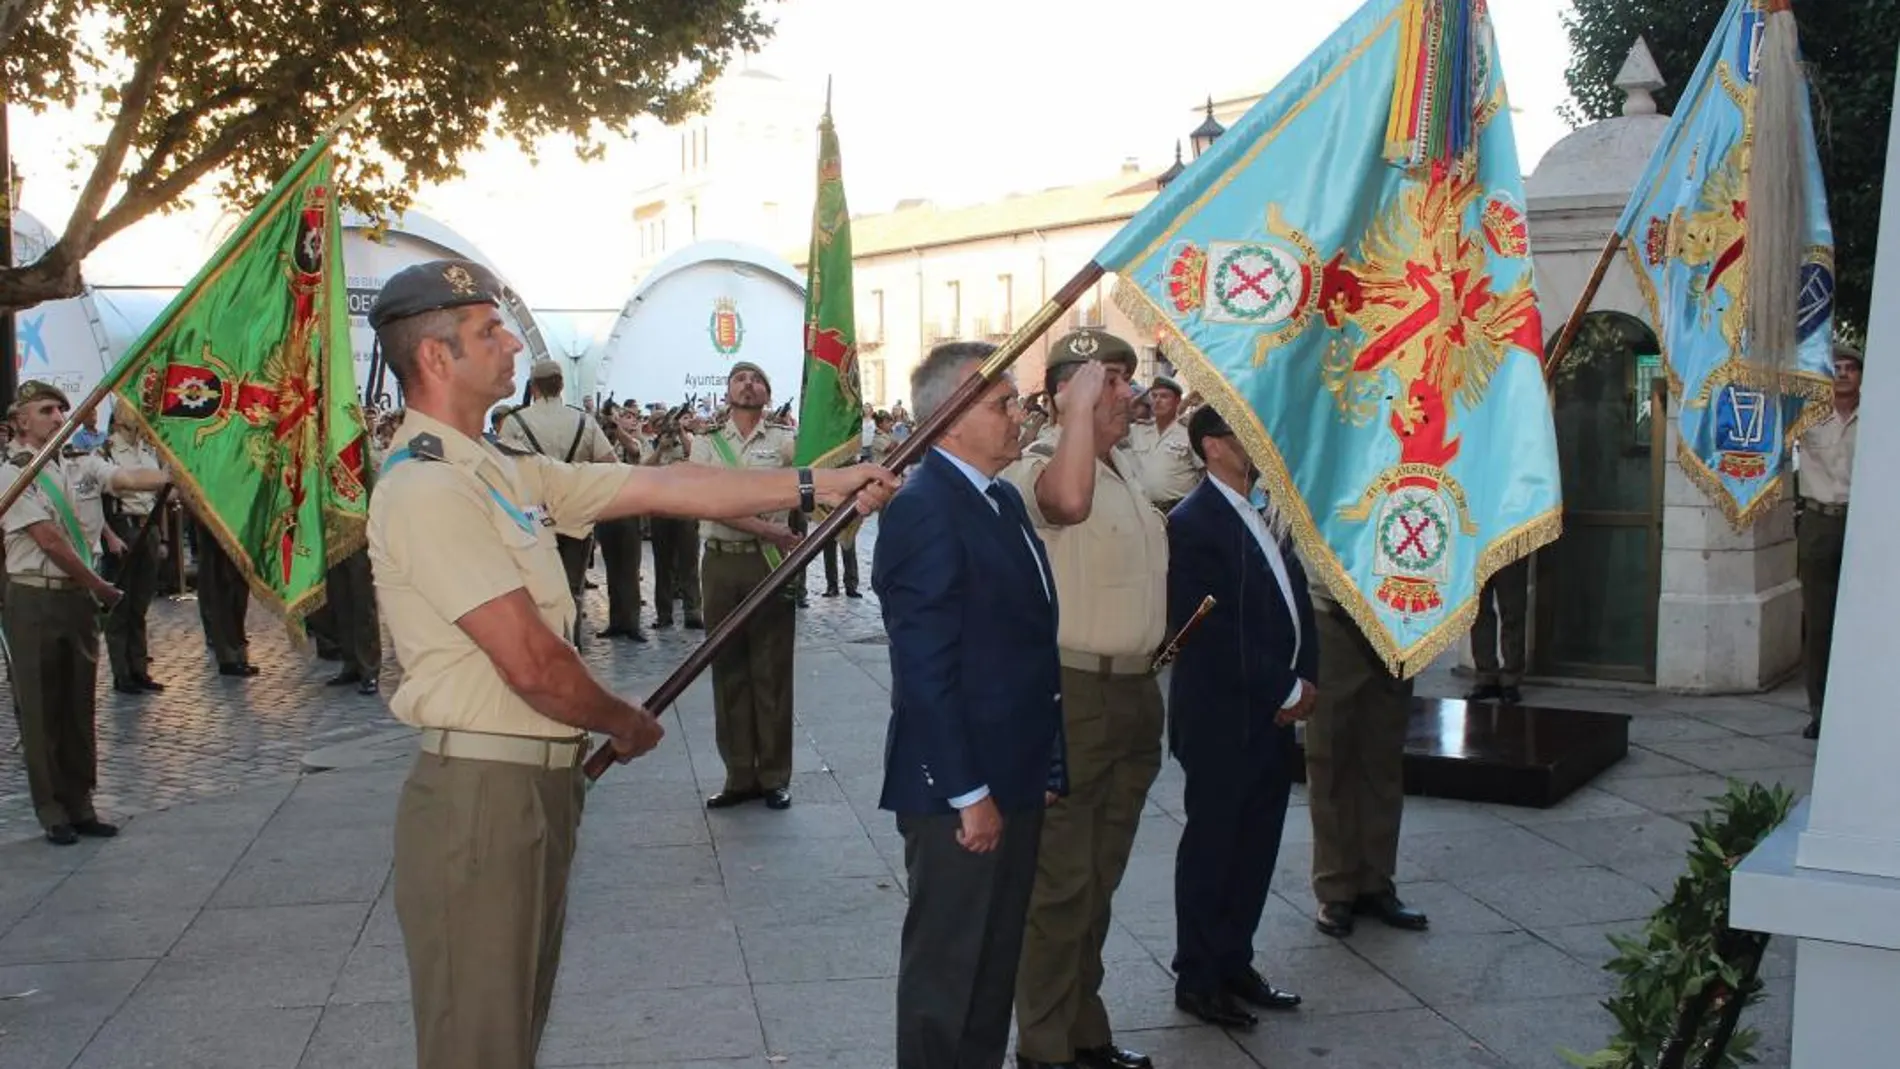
[(53, 534), (1109, 547), (461, 534), (752, 676), (549, 426), (1169, 468)]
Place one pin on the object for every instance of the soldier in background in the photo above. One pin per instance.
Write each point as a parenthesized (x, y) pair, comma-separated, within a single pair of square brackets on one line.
[(52, 535), (1169, 468), (135, 572), (675, 541), (1109, 550), (752, 676), (1824, 474), (224, 599), (552, 428), (620, 538)]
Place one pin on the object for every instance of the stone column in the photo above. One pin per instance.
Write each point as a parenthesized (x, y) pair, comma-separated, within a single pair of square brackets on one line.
[(1830, 877)]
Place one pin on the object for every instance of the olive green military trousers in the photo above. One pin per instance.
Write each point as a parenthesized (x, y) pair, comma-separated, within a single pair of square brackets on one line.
[(752, 676), (1113, 725), (1819, 542), (53, 636), (483, 851), (1355, 763)]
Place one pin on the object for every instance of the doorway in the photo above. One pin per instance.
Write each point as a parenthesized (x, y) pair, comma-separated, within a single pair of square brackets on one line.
[(1598, 585)]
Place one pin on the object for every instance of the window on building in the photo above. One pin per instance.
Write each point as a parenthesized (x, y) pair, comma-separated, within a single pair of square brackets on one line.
[(951, 323), (1005, 319), (875, 309)]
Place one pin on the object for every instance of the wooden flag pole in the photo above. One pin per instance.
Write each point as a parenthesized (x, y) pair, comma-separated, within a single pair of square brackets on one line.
[(1561, 348), (813, 544)]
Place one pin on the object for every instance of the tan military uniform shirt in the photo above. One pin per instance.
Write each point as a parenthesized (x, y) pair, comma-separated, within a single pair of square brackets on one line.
[(442, 542), (767, 447), (1827, 458), (1169, 469), (83, 479), (552, 425), (1111, 569), (135, 456)]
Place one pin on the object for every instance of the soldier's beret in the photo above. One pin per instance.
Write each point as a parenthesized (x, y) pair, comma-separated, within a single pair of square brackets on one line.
[(1844, 351), (1091, 343), (1162, 382), (35, 390), (433, 286), (747, 365), (545, 369)]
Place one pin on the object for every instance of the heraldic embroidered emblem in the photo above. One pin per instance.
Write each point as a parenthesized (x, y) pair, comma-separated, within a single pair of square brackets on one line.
[(1696, 242), (1346, 275), (247, 386)]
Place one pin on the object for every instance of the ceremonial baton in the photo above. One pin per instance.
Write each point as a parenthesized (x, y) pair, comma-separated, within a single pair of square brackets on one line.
[(1173, 649), (907, 453)]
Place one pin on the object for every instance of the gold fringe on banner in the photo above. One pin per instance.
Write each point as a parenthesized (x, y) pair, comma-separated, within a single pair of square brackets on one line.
[(1404, 662)]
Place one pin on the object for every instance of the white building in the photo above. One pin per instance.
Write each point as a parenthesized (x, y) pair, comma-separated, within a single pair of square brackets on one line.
[(744, 170)]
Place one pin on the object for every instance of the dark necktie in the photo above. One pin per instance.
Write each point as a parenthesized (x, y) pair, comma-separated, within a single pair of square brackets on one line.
[(995, 494)]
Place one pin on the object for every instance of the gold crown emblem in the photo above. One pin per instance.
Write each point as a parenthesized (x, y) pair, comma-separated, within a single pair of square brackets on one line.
[(725, 304), (1504, 228)]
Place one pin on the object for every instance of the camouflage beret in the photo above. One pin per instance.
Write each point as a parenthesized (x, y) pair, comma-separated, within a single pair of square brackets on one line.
[(1091, 343), (747, 365), (35, 390), (433, 286)]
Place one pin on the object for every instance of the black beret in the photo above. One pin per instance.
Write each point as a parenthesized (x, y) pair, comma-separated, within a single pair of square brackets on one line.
[(432, 286)]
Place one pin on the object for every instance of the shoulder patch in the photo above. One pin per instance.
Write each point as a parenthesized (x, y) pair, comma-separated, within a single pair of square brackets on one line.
[(425, 446), (506, 448)]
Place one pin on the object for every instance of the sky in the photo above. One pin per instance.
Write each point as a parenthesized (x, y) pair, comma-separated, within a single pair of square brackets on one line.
[(956, 103)]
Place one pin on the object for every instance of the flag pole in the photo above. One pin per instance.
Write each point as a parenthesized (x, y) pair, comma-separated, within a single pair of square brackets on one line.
[(118, 374), (813, 544), (1561, 348)]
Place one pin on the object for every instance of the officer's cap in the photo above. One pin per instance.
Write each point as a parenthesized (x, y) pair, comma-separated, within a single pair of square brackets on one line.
[(1091, 343), (1205, 423), (1162, 382), (747, 365), (433, 286), (33, 391), (545, 369)]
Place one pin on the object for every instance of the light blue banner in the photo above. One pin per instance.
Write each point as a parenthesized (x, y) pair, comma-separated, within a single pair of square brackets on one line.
[(1370, 330), (1685, 235)]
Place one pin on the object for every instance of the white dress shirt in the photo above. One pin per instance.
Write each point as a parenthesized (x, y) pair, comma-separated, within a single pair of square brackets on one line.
[(1270, 549)]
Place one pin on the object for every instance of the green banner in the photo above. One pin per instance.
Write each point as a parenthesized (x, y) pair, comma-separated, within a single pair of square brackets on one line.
[(830, 403), (246, 385)]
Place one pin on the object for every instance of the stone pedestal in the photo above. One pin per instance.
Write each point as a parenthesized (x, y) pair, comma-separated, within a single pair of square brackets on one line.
[(1729, 618), (1830, 877)]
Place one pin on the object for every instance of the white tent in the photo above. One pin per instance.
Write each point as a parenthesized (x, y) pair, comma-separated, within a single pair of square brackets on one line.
[(61, 342), (704, 308)]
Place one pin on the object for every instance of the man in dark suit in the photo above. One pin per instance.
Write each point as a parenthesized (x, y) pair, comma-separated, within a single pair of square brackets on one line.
[(1239, 684), (975, 749)]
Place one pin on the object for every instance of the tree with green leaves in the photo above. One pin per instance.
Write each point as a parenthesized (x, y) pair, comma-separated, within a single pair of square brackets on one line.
[(233, 91), (1849, 48)]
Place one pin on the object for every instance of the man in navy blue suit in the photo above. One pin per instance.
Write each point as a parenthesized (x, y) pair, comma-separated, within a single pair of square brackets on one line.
[(1239, 684), (975, 749)]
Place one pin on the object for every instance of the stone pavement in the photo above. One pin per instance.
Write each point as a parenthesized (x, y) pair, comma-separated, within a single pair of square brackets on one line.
[(254, 928)]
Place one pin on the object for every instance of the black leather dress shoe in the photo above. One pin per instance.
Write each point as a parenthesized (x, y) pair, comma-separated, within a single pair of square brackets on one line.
[(62, 835), (127, 687), (729, 798), (1217, 1008), (241, 668), (367, 687), (1110, 1056), (1488, 692), (612, 632), (852, 594), (1031, 1063), (1510, 696), (344, 678), (1253, 989), (778, 798), (150, 685), (1389, 909), (1335, 918), (694, 623), (95, 828), (831, 592), (663, 621), (636, 635)]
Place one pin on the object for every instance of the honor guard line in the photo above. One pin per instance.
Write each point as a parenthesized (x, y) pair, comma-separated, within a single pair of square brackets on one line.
[(908, 452)]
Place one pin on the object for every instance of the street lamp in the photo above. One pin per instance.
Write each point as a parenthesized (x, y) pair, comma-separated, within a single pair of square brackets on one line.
[(1207, 133), (1173, 172)]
